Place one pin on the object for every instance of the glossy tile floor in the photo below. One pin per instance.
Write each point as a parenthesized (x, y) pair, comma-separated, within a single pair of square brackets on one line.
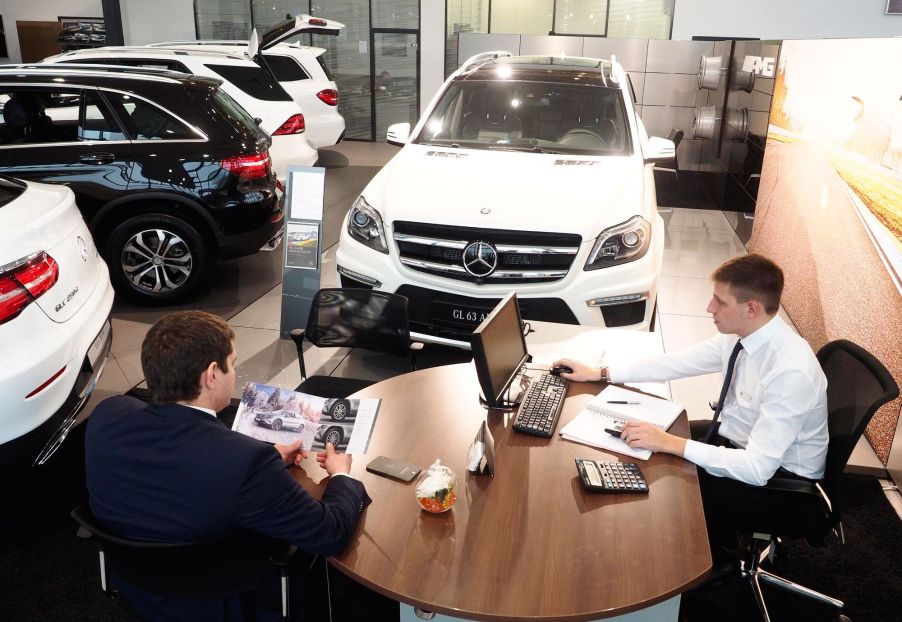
[(248, 293)]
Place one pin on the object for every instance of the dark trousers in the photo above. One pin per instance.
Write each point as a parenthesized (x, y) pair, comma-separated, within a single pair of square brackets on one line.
[(732, 506)]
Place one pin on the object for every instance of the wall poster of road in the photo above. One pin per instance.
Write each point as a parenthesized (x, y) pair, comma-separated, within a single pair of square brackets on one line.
[(830, 202)]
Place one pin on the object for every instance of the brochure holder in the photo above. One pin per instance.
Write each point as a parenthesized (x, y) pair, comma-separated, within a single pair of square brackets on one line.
[(302, 244), (481, 458)]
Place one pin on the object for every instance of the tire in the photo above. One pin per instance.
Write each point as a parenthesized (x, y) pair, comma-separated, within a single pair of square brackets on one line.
[(340, 410), (156, 258), (334, 435), (276, 424)]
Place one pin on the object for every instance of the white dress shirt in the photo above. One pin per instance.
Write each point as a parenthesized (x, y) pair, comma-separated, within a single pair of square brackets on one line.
[(775, 411)]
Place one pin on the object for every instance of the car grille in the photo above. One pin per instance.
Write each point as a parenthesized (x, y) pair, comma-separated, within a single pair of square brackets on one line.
[(522, 256)]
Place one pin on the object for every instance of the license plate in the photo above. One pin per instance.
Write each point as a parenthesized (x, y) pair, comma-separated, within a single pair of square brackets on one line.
[(97, 346), (459, 314)]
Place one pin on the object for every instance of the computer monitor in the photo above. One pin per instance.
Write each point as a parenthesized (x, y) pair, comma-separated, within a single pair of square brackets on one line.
[(499, 350)]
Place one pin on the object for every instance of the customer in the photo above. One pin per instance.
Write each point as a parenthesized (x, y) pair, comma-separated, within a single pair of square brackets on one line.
[(773, 411), (170, 471)]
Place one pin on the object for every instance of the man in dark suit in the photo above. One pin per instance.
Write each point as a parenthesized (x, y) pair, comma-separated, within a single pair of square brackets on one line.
[(170, 471)]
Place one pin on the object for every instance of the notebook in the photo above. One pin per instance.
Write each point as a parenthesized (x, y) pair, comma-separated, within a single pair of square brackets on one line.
[(588, 427)]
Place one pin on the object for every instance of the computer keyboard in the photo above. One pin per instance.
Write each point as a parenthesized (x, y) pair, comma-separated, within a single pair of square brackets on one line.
[(540, 409)]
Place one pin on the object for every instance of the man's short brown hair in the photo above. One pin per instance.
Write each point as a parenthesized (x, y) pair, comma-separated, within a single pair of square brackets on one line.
[(178, 348), (752, 277)]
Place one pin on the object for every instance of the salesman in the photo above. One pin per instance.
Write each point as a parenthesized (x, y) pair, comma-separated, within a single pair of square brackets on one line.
[(170, 471), (773, 405)]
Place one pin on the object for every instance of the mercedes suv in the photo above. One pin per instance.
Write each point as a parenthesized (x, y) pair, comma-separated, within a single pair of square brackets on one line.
[(525, 173), (167, 169)]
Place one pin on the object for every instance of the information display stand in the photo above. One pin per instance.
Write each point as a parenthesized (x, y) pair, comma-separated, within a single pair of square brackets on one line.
[(303, 244)]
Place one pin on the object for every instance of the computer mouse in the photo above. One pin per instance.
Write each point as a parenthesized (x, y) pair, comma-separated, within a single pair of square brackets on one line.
[(557, 370)]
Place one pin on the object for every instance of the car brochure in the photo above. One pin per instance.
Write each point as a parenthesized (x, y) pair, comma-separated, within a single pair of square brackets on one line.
[(610, 410), (283, 416)]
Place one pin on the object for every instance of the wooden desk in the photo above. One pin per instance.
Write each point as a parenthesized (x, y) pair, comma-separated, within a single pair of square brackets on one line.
[(530, 542)]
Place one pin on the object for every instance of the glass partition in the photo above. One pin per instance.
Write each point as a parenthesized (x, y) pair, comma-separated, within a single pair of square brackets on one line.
[(580, 17)]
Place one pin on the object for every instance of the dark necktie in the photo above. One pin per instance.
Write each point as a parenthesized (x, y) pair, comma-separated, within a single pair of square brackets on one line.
[(723, 392)]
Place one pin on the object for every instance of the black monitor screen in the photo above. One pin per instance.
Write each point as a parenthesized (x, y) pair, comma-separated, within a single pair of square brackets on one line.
[(499, 350)]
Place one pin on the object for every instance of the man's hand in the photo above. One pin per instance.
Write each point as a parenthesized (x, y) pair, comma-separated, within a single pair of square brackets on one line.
[(333, 461), (291, 454), (642, 435), (581, 371)]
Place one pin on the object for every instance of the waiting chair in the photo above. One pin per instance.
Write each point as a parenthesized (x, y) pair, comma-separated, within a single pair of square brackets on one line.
[(673, 166), (857, 385), (215, 569), (353, 318)]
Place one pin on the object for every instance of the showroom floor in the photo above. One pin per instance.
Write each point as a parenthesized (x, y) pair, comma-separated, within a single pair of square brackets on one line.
[(248, 293)]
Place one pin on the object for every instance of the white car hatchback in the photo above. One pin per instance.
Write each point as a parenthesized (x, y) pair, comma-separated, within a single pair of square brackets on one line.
[(250, 85), (528, 174), (300, 69), (55, 334)]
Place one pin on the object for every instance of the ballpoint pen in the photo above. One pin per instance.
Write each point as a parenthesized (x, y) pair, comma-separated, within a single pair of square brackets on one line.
[(621, 402)]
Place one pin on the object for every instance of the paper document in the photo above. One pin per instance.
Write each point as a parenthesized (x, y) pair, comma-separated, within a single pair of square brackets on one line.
[(588, 427), (281, 416)]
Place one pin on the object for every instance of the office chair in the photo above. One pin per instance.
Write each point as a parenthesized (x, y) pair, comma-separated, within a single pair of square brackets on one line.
[(215, 569), (673, 166), (353, 318), (857, 385)]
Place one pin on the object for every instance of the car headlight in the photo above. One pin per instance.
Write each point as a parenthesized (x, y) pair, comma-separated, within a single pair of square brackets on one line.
[(365, 226), (620, 244)]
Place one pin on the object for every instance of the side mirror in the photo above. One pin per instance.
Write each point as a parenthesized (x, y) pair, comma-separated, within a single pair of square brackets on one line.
[(659, 150), (398, 134)]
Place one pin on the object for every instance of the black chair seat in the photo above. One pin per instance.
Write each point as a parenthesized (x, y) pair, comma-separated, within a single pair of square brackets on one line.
[(857, 385), (332, 386), (353, 318), (212, 569)]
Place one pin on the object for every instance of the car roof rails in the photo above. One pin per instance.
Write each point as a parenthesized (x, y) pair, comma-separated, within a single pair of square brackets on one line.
[(481, 58), (617, 71)]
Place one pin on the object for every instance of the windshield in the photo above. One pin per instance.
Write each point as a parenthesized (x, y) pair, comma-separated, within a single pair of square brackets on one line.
[(529, 116)]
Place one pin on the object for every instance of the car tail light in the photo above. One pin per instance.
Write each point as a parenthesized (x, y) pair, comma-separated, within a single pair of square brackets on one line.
[(328, 96), (24, 281), (249, 166), (294, 125), (315, 21)]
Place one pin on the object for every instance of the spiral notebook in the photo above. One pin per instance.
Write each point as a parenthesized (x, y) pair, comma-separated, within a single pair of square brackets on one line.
[(588, 427)]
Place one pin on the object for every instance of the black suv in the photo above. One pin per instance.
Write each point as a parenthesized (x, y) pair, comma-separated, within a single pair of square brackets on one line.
[(167, 169)]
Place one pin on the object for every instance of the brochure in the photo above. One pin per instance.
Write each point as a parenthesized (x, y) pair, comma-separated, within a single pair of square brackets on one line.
[(283, 416)]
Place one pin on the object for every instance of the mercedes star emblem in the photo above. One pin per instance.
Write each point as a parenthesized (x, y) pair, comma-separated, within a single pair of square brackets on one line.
[(82, 248), (480, 259)]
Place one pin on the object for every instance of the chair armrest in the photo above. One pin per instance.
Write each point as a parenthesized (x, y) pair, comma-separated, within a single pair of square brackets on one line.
[(788, 484), (282, 556), (297, 336)]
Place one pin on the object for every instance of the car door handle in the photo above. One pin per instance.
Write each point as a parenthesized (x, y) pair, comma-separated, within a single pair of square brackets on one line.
[(102, 157)]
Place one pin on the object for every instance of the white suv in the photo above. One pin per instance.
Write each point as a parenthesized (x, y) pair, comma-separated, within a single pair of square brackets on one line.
[(531, 174), (55, 301), (300, 69), (248, 84)]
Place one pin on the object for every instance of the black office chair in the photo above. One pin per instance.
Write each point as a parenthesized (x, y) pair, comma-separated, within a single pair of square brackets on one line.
[(215, 569), (353, 318), (673, 166), (857, 385)]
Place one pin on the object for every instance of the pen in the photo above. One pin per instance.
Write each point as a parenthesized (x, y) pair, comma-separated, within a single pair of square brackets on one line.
[(621, 402), (613, 432)]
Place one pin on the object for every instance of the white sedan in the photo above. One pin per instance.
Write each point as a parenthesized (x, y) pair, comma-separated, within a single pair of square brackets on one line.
[(55, 334)]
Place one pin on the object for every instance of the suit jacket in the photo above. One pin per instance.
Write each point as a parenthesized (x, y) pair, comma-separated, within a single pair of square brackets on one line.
[(172, 473)]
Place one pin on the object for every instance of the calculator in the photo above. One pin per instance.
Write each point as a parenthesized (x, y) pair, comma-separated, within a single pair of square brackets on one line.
[(610, 476)]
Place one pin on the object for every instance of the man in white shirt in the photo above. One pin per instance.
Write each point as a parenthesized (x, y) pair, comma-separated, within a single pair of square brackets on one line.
[(773, 412)]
